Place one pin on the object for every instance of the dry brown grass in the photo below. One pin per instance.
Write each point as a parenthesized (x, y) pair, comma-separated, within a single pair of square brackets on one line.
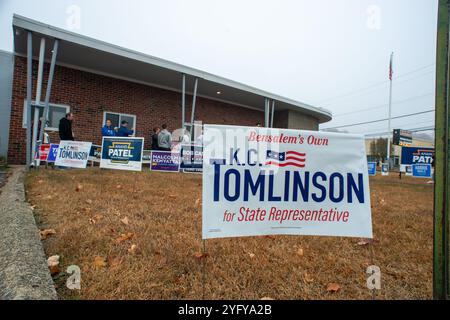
[(166, 224)]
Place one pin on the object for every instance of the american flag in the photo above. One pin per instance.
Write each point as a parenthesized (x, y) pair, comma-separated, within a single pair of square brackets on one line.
[(287, 158)]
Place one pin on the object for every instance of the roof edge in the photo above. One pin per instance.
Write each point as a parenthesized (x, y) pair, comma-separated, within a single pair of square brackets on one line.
[(323, 115)]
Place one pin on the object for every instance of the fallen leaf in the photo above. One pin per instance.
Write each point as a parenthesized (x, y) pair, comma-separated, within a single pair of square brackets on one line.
[(125, 221), (173, 196), (118, 186), (114, 262), (270, 237), (133, 249), (300, 252), (88, 201), (364, 242), (78, 188), (308, 278), (200, 255), (53, 265), (267, 298), (98, 217), (99, 262), (252, 255), (333, 287), (197, 202), (125, 236), (46, 233)]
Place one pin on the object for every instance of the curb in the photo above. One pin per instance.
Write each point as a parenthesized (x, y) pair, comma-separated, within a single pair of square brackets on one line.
[(24, 274)]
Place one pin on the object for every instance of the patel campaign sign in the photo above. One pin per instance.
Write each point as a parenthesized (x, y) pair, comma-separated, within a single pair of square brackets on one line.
[(165, 161), (73, 154), (262, 181), (122, 153), (96, 153), (417, 155)]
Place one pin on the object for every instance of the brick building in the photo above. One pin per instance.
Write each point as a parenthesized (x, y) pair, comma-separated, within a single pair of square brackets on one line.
[(97, 80)]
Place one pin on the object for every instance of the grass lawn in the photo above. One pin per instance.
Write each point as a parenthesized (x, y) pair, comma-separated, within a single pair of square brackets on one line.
[(138, 236)]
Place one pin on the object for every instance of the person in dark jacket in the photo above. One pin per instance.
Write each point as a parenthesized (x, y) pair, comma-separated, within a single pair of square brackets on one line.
[(65, 127), (123, 130), (155, 138), (108, 130)]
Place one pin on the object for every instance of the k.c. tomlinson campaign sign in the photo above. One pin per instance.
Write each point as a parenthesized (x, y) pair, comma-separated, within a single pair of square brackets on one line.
[(73, 154), (261, 181)]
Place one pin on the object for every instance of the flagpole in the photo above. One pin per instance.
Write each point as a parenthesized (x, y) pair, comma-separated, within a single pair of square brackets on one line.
[(388, 153)]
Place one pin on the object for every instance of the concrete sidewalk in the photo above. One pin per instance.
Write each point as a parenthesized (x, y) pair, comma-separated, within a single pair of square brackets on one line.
[(23, 268)]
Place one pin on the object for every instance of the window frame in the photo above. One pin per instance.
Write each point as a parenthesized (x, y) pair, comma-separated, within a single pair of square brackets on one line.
[(120, 114), (41, 105)]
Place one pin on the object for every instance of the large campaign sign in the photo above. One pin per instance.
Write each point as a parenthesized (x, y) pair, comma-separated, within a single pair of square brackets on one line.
[(165, 161), (191, 158), (73, 154), (262, 181), (417, 155), (122, 153)]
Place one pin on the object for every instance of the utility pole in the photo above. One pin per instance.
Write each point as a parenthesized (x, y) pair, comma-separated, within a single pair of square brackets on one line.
[(441, 163), (391, 71)]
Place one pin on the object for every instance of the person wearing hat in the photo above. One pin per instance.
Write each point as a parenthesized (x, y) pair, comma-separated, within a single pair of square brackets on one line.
[(123, 130)]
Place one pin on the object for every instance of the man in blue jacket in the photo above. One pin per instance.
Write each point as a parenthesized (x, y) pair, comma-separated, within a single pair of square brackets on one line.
[(108, 129), (123, 130)]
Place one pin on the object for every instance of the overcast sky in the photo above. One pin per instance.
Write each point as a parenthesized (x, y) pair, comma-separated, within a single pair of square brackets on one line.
[(328, 53)]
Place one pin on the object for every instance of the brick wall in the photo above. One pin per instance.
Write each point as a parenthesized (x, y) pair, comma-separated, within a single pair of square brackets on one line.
[(89, 95)]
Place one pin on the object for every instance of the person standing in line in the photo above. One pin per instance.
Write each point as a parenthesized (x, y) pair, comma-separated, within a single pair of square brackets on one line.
[(124, 131), (154, 138), (164, 139), (65, 127), (108, 130)]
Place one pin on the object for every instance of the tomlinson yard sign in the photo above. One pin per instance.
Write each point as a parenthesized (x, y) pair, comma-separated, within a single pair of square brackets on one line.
[(261, 181)]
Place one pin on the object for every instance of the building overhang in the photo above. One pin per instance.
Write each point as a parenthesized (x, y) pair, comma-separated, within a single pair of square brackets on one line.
[(87, 54)]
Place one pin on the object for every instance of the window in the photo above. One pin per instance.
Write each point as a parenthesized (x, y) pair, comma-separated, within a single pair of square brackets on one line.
[(117, 118), (55, 113)]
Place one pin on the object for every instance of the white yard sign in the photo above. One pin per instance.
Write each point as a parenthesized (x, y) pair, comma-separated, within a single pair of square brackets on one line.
[(73, 154), (261, 181)]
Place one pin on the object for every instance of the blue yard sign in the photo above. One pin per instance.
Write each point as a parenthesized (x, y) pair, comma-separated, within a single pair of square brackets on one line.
[(51, 158), (421, 170), (165, 161), (417, 155), (122, 153), (372, 166)]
